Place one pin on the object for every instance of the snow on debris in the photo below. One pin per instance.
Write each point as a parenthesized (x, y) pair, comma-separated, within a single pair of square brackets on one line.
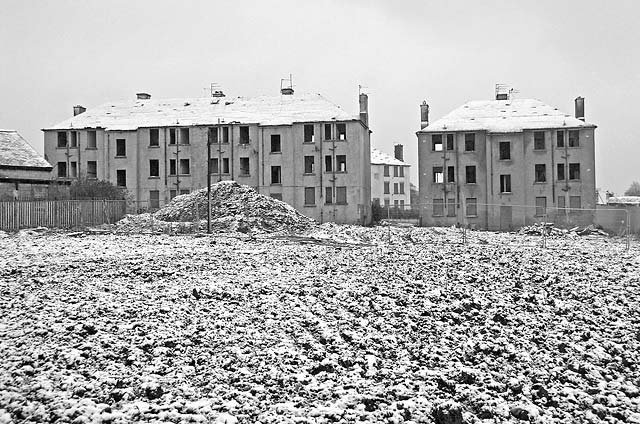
[(504, 116), (264, 110), (111, 328)]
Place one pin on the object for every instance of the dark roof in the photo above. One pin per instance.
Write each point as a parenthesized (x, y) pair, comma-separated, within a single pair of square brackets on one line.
[(16, 152)]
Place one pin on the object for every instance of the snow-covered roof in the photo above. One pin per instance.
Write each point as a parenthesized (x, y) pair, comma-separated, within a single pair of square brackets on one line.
[(624, 200), (15, 151), (265, 110), (380, 158), (505, 116)]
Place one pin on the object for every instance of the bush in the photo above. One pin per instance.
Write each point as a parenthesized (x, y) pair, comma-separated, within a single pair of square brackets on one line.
[(84, 188)]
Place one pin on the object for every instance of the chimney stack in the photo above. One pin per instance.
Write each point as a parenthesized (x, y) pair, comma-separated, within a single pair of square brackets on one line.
[(579, 102), (286, 90), (364, 108), (424, 115), (77, 110), (143, 96), (398, 152)]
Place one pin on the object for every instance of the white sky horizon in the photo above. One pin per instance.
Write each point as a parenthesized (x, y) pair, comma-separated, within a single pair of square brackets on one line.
[(59, 54)]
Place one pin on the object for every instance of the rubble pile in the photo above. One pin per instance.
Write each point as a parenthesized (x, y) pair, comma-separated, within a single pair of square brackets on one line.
[(550, 230), (121, 328)]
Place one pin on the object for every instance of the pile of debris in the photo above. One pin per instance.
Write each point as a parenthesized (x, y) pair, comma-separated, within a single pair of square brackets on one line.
[(234, 207), (550, 230)]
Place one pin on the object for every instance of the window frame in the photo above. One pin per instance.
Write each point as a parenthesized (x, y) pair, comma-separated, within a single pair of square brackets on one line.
[(470, 138), (245, 171), (118, 173), (436, 172), (308, 190), (151, 168), (467, 168), (154, 141), (573, 171), (310, 139), (309, 160), (121, 142), (438, 208), (339, 190), (505, 184), (278, 174), (539, 144), (501, 150), (541, 210), (275, 142), (540, 169), (181, 163), (469, 202), (435, 143)]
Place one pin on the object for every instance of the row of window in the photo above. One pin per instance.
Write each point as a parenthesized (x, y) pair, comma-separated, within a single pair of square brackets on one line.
[(471, 203), (72, 172), (540, 176), (398, 171), (330, 198), (539, 142), (398, 188)]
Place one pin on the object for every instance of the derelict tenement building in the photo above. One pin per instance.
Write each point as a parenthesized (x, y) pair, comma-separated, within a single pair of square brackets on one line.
[(390, 184), (301, 149), (504, 163)]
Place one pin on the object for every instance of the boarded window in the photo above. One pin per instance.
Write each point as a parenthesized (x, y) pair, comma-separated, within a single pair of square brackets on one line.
[(328, 195), (244, 166), (154, 168), (121, 147), (470, 142), (438, 175), (436, 142), (327, 131), (62, 139), (451, 174), (451, 207), (386, 187), (505, 150), (386, 170), (505, 183), (225, 166), (541, 206), (540, 173), (308, 133), (560, 170), (121, 177), (341, 195), (560, 138), (574, 138), (574, 171), (92, 169), (213, 166), (62, 169), (244, 135), (341, 129), (438, 207), (538, 140), (309, 195), (575, 202), (91, 139), (309, 164), (450, 145), (472, 206), (185, 166), (275, 143), (154, 199), (328, 163), (276, 178), (562, 202), (184, 136), (470, 174), (341, 163), (154, 137)]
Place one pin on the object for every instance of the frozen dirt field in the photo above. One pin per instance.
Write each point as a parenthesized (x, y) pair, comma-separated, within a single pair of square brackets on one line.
[(117, 328)]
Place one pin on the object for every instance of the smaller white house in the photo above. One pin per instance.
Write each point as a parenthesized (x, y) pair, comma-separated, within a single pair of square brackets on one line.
[(390, 185)]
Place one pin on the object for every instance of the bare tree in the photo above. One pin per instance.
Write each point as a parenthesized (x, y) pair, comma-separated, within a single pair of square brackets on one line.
[(633, 190)]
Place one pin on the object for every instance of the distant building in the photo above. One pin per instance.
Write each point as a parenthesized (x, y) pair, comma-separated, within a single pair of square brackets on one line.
[(390, 185), (24, 174), (481, 163), (301, 149)]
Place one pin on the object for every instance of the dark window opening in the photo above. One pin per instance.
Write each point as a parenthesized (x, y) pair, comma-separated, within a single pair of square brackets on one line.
[(574, 138), (277, 196), (172, 167), (560, 138), (396, 171), (154, 137), (438, 175), (538, 140), (309, 164), (451, 174), (213, 165), (184, 135), (341, 163), (436, 142), (505, 150), (73, 143), (62, 139), (505, 183), (327, 131), (276, 178), (540, 173), (401, 188), (470, 142), (574, 171), (225, 165), (402, 171), (185, 168), (62, 169), (73, 169), (244, 166), (470, 173), (308, 134), (121, 147), (213, 135), (225, 134), (328, 163), (450, 145), (121, 178), (386, 170), (341, 129), (560, 170), (92, 169), (275, 143), (154, 168), (244, 135), (386, 187), (328, 196), (91, 139), (395, 188), (172, 136)]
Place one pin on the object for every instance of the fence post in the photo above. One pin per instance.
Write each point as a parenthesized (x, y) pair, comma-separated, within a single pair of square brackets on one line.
[(544, 230), (628, 230), (16, 224)]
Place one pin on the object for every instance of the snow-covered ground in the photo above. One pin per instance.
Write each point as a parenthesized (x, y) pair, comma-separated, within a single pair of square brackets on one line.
[(336, 326)]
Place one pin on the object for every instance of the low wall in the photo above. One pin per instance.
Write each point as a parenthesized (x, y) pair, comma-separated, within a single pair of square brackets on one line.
[(611, 218)]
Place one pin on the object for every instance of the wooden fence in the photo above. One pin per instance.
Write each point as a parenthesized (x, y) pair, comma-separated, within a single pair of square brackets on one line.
[(60, 213)]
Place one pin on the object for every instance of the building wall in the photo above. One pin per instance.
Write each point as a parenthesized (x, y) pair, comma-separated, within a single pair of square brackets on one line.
[(139, 183), (492, 210), (377, 185)]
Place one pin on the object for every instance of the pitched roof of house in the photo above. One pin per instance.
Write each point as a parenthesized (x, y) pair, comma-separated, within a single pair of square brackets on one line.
[(380, 158), (505, 116), (265, 110), (15, 151)]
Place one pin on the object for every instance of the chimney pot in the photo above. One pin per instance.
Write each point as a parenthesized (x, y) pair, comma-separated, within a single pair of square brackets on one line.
[(143, 96), (77, 110), (398, 152), (579, 108), (364, 108), (424, 115)]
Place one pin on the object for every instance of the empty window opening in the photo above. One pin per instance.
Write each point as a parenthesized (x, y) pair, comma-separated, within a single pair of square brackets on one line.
[(184, 191), (327, 131), (395, 188), (73, 143), (436, 142), (505, 150), (92, 169), (401, 171), (341, 129), (538, 140), (386, 170), (341, 163), (341, 195), (225, 134), (438, 175), (386, 187), (560, 138), (396, 171), (213, 166), (308, 133), (62, 169), (560, 170), (172, 136), (244, 135), (73, 169), (172, 167), (184, 136), (275, 143), (451, 174), (401, 188), (540, 173), (154, 168), (309, 164), (244, 166), (121, 147), (276, 178), (121, 177), (212, 134), (172, 194), (62, 139), (309, 195), (505, 183), (574, 171), (154, 137), (91, 139), (470, 174), (574, 138), (470, 142), (185, 168), (450, 145), (328, 163), (225, 165)]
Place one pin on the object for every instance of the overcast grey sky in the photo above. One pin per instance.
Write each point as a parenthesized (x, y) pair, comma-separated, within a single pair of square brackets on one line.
[(59, 53)]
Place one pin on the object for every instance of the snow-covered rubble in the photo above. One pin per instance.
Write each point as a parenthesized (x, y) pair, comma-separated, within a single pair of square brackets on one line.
[(120, 328)]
